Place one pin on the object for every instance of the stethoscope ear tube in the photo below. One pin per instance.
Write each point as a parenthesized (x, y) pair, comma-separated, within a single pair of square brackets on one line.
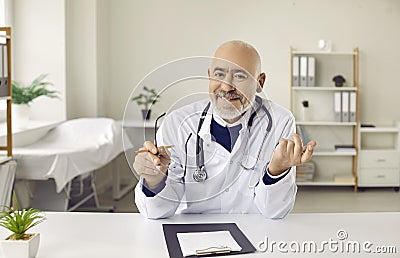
[(186, 143)]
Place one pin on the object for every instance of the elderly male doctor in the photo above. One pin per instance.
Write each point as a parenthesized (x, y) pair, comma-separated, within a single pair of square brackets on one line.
[(233, 153)]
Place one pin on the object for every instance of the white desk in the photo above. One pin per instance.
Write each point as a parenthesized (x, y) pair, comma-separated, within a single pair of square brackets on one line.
[(139, 131), (130, 235)]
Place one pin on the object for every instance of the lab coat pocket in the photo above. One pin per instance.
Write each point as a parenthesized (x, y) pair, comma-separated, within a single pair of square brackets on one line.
[(252, 167), (247, 190), (249, 162)]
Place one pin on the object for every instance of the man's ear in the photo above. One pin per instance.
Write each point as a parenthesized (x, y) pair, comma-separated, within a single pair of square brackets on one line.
[(261, 80)]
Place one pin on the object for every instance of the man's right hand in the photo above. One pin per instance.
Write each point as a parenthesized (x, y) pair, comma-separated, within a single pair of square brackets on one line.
[(152, 165)]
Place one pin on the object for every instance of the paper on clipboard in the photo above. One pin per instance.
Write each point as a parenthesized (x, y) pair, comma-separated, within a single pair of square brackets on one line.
[(204, 241)]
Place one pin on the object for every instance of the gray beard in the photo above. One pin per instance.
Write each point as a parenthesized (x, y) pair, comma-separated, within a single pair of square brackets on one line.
[(229, 114)]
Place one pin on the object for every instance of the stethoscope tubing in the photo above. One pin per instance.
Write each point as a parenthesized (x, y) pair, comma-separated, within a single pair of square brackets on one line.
[(200, 175)]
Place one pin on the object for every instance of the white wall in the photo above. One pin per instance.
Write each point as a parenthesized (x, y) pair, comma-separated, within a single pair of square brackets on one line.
[(2, 13), (113, 44), (147, 34), (38, 47), (81, 50), (103, 55), (8, 16), (87, 57), (5, 13), (67, 40)]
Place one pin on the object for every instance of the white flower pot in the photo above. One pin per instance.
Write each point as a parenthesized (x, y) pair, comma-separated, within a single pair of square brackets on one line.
[(20, 116), (20, 248)]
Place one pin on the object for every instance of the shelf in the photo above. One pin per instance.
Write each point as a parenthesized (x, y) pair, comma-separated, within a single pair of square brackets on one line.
[(379, 130), (325, 183), (4, 159), (323, 53), (5, 98), (335, 153), (323, 123), (381, 150), (6, 137), (324, 88)]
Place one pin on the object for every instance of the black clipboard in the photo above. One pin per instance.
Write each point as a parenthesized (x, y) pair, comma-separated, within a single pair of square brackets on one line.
[(174, 248)]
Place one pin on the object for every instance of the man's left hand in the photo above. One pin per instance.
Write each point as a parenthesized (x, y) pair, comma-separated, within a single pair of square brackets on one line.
[(290, 153)]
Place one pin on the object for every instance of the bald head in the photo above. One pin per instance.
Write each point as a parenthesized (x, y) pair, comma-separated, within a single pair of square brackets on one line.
[(235, 79), (242, 54)]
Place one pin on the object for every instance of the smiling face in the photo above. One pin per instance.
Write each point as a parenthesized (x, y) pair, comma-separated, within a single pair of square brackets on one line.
[(233, 79)]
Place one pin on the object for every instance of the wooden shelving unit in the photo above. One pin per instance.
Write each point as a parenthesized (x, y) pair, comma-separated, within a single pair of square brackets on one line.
[(5, 86), (320, 124)]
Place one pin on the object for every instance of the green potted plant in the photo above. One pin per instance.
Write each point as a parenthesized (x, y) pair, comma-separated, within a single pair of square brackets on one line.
[(20, 244), (147, 98), (23, 95)]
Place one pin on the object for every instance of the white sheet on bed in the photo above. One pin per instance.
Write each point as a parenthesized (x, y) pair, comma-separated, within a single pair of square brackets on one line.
[(73, 148)]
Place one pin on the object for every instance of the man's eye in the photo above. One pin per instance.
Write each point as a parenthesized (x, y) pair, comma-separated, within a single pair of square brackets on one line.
[(219, 74), (240, 76)]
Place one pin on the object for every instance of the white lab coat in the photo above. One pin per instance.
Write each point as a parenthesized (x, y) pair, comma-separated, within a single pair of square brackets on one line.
[(229, 188)]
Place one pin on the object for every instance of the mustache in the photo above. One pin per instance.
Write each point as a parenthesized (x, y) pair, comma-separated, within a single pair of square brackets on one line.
[(228, 95)]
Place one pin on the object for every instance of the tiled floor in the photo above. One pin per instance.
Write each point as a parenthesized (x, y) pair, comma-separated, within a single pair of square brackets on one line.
[(309, 199)]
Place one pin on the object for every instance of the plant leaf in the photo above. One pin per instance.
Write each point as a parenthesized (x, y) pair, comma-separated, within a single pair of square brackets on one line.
[(37, 88)]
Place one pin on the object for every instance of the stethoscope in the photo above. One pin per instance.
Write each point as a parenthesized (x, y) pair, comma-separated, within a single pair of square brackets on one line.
[(200, 174)]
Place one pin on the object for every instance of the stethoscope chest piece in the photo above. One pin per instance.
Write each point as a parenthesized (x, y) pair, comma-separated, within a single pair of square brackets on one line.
[(199, 175)]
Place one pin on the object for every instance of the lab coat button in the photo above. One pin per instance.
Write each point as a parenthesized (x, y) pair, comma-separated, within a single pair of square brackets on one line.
[(227, 190), (231, 162)]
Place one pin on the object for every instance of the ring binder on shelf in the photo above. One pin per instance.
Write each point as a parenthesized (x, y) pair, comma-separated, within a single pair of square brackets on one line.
[(303, 71), (352, 107), (338, 106), (296, 71), (311, 71), (345, 106)]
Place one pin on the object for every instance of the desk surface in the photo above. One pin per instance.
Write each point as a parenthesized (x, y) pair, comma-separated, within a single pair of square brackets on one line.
[(130, 235), (139, 124)]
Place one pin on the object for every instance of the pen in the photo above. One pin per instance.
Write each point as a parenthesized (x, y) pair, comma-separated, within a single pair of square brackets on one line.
[(144, 150)]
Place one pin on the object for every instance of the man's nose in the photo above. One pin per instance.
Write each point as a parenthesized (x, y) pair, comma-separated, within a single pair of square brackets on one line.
[(227, 84)]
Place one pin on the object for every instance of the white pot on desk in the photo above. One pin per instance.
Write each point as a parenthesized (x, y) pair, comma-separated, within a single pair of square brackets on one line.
[(20, 115), (21, 248)]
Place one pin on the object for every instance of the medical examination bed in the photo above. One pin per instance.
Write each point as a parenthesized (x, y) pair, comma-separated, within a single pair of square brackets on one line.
[(62, 163)]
